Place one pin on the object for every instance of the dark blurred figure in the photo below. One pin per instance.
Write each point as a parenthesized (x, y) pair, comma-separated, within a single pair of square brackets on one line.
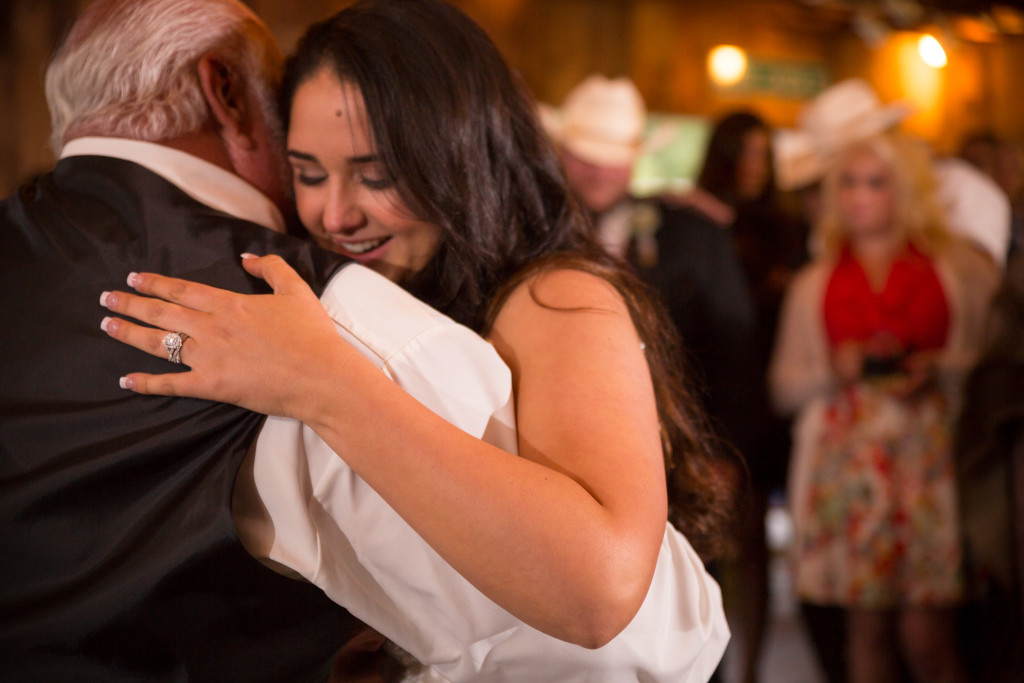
[(1010, 177), (980, 149), (990, 477)]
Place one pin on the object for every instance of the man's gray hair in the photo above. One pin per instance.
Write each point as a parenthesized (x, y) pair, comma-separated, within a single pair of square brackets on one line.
[(128, 67)]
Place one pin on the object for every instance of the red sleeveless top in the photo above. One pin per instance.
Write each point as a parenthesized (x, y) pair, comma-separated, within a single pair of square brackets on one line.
[(911, 308)]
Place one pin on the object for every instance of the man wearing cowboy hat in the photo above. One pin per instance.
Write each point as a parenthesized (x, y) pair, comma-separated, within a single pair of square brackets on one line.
[(600, 131), (600, 135)]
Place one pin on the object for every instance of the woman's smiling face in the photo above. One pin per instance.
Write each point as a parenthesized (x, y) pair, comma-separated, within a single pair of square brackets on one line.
[(344, 195)]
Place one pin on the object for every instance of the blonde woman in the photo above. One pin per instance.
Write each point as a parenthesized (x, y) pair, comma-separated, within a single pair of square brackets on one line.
[(874, 338)]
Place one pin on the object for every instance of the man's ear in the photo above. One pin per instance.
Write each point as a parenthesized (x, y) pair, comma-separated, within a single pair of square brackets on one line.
[(225, 91)]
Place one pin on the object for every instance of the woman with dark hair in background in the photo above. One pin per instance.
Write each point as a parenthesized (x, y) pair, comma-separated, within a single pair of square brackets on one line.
[(416, 152), (737, 181), (738, 171)]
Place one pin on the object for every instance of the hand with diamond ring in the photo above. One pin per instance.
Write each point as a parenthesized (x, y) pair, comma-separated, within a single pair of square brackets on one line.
[(249, 350)]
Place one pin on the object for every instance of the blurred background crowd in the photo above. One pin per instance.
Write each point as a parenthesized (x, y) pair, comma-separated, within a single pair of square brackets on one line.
[(829, 197)]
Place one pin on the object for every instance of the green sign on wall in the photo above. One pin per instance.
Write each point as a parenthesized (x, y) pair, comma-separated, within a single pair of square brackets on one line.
[(792, 80)]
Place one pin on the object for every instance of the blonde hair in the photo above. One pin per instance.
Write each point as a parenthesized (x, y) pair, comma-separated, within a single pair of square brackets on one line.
[(128, 67), (917, 214)]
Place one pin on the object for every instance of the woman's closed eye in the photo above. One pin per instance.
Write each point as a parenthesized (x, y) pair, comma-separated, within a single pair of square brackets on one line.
[(306, 168), (382, 182), (370, 172), (309, 179)]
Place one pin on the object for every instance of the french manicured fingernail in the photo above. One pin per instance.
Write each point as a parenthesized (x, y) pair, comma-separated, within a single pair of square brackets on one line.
[(126, 383), (108, 325), (248, 255), (105, 299), (133, 279)]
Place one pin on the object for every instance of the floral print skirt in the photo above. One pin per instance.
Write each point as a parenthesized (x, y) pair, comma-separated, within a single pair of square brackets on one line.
[(876, 520)]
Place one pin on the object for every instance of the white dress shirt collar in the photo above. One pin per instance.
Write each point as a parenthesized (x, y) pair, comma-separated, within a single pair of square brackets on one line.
[(199, 179)]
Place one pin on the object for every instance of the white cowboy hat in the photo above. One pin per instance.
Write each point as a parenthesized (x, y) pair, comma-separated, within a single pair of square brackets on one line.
[(602, 121), (844, 113)]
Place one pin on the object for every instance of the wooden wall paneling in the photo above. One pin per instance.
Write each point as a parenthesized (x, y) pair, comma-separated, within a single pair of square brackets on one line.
[(34, 30), (1006, 93), (661, 44), (568, 41)]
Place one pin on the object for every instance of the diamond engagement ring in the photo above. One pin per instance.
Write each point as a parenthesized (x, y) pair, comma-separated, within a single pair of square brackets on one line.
[(173, 342)]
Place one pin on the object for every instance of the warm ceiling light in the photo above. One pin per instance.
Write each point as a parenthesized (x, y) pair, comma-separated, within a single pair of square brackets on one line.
[(727, 65), (931, 51), (980, 29), (1008, 19)]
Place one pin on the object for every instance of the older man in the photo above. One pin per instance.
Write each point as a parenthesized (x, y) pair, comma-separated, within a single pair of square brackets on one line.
[(121, 560)]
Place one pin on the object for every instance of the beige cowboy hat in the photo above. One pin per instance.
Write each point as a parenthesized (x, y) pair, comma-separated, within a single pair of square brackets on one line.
[(602, 121), (844, 113)]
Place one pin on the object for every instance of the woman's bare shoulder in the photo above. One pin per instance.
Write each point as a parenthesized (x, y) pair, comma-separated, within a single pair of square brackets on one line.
[(562, 311), (564, 289)]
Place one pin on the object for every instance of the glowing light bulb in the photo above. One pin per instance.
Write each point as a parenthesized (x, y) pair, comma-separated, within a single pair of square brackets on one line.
[(727, 65), (931, 51)]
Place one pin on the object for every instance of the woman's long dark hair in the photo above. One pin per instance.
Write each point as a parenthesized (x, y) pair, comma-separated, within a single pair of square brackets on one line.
[(725, 147), (458, 133)]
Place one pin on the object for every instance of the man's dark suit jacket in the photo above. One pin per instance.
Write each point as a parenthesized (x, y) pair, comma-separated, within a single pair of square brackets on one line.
[(989, 460), (119, 559), (702, 284)]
